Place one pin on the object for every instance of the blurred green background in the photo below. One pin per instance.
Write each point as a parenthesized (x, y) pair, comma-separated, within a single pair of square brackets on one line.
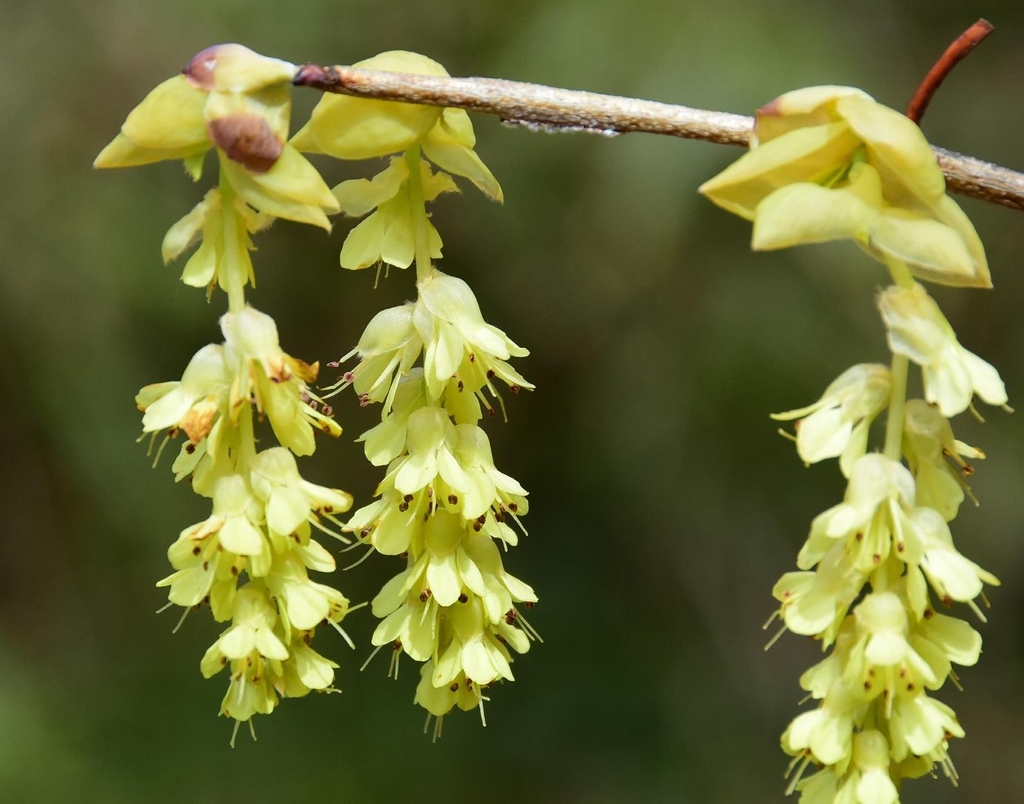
[(664, 504)]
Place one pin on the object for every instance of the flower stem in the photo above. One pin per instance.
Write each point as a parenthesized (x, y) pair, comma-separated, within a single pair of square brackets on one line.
[(231, 279), (893, 448), (247, 441), (420, 222)]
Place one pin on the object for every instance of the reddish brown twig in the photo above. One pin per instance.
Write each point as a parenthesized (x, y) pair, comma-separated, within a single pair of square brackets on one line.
[(963, 45)]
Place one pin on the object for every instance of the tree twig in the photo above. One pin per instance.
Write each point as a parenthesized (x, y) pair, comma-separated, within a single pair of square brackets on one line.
[(553, 109), (953, 55)]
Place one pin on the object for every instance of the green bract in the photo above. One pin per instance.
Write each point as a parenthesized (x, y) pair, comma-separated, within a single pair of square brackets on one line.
[(952, 375), (359, 128), (238, 102), (829, 163)]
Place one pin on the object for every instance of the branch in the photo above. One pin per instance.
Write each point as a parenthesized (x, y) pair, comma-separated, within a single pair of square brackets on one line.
[(546, 108), (952, 56)]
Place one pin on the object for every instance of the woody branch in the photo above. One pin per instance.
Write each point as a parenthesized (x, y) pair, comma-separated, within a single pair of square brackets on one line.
[(547, 108)]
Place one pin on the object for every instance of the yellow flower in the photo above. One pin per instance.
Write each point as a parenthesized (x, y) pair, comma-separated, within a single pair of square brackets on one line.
[(360, 128), (936, 458), (387, 234), (195, 402), (278, 382), (238, 102), (837, 425), (829, 163), (952, 375)]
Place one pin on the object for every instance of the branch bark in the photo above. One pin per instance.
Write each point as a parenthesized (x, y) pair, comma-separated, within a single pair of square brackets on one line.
[(544, 108)]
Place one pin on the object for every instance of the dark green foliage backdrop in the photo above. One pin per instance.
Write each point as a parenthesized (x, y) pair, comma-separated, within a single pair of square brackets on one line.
[(664, 504)]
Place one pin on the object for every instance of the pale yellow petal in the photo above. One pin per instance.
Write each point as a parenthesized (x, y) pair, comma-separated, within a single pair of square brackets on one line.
[(357, 197), (897, 148), (183, 234), (803, 155), (446, 153), (808, 213), (235, 68), (122, 152), (948, 212), (931, 249), (291, 189), (810, 106), (169, 117), (361, 248)]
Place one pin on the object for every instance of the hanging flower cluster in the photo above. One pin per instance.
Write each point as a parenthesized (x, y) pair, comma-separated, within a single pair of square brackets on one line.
[(250, 559), (828, 163), (434, 365)]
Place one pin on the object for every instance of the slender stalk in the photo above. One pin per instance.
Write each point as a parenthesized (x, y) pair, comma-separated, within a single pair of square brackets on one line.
[(420, 230), (247, 440), (232, 282), (893, 448), (545, 108)]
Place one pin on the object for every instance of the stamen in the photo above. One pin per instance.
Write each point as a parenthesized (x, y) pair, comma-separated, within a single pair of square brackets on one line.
[(480, 704), (181, 619), (778, 634), (376, 650), (803, 760), (160, 449), (786, 435), (977, 612), (320, 527), (528, 629), (396, 655), (344, 635), (366, 555)]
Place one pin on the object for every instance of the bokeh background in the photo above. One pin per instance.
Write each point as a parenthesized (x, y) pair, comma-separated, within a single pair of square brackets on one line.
[(664, 504)]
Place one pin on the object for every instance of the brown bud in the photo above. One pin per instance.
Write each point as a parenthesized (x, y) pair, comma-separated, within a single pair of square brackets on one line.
[(246, 139), (199, 70)]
